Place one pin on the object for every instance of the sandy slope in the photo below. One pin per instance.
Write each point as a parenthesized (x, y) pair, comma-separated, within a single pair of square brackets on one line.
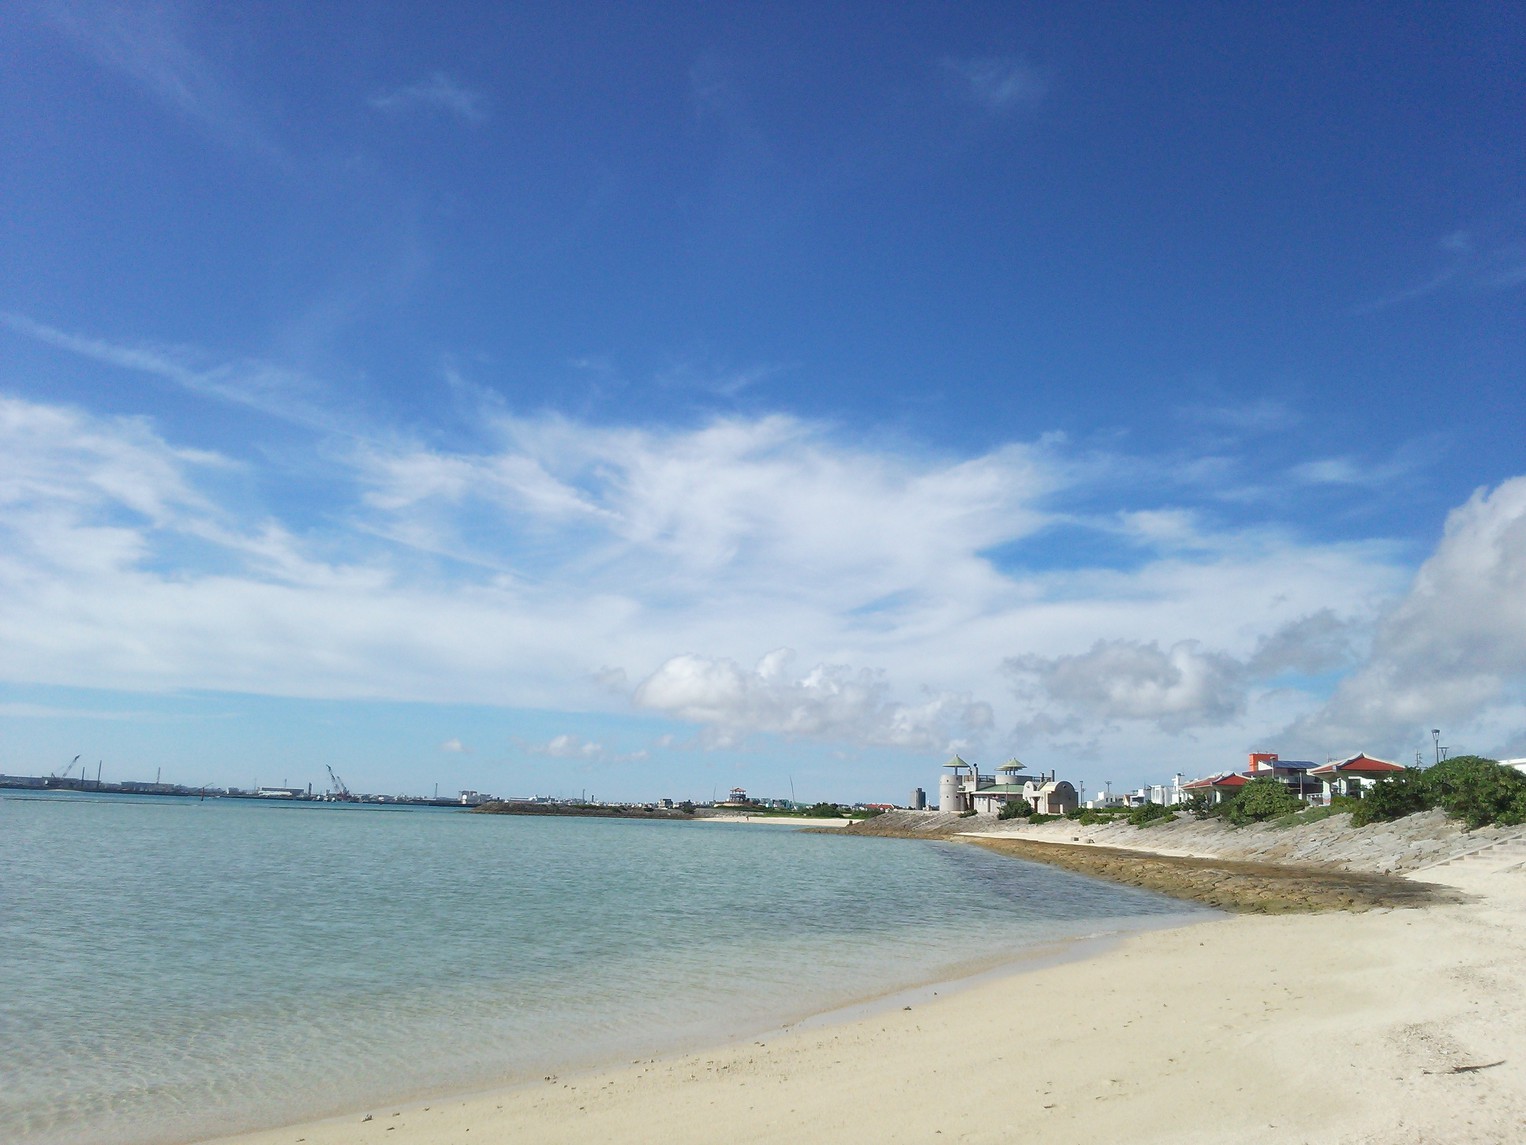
[(1387, 1026)]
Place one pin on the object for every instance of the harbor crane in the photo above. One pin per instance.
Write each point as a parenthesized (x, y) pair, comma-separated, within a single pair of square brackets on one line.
[(64, 774), (340, 791)]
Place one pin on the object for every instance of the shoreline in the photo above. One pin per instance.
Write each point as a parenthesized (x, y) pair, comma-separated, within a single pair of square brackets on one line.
[(1373, 1026), (953, 981), (353, 1126)]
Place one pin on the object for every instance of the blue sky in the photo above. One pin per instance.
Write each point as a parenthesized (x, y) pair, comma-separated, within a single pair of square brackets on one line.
[(549, 398)]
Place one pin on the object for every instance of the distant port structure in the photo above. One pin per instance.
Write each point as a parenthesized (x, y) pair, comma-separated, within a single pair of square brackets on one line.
[(76, 777)]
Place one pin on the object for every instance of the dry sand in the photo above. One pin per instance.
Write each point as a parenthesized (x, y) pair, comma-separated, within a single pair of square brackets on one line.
[(1393, 1025)]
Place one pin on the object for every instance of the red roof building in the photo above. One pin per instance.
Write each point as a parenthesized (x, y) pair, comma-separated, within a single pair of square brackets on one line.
[(1224, 785), (1349, 776)]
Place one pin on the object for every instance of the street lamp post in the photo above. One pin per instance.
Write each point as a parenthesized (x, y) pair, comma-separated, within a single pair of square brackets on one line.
[(1436, 738)]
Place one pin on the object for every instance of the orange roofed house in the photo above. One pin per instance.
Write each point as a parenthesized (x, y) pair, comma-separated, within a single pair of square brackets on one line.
[(1349, 776)]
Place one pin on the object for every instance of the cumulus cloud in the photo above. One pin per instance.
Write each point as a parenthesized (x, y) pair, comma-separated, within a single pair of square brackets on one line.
[(1453, 649), (1174, 688), (1180, 688), (1319, 642), (831, 702), (455, 746)]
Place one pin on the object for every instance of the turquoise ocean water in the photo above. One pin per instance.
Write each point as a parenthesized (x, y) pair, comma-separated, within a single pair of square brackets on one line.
[(173, 969)]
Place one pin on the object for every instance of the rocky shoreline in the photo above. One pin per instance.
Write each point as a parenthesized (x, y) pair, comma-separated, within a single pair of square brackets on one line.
[(1340, 867), (1230, 884)]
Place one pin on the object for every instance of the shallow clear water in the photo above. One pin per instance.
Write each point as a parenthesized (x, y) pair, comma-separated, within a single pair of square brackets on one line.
[(174, 968)]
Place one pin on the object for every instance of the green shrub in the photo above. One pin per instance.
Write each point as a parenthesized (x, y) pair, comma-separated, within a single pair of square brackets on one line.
[(966, 814), (1016, 809), (1307, 815), (1393, 798), (1261, 799), (1200, 805), (824, 811), (1147, 813), (1040, 817), (1478, 791)]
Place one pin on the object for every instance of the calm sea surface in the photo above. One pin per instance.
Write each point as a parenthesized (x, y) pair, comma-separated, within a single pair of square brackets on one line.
[(171, 969)]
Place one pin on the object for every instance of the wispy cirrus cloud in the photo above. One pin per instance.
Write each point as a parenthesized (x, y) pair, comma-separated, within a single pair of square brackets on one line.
[(997, 83), (1263, 415), (439, 92), (152, 46), (1471, 264), (278, 392)]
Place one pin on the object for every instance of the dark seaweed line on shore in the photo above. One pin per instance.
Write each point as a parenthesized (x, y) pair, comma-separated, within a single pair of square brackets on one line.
[(1228, 884)]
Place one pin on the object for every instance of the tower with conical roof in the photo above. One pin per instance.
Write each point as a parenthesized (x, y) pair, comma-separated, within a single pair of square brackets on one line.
[(950, 788)]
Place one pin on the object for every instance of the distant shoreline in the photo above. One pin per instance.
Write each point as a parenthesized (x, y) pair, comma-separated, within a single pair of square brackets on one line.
[(634, 811)]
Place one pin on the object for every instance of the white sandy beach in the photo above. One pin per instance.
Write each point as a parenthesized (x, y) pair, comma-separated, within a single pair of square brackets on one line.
[(1389, 1026)]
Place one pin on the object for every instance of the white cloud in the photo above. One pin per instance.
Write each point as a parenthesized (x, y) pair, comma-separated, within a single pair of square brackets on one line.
[(1352, 471), (831, 702), (1452, 651), (455, 746), (565, 561), (1179, 687), (567, 746), (439, 92)]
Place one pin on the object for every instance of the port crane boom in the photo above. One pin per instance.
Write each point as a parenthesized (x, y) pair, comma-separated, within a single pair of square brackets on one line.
[(64, 774), (340, 790)]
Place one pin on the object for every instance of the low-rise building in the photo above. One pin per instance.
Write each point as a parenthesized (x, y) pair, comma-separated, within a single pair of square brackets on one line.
[(1051, 796), (1295, 773), (1351, 776), (1218, 787)]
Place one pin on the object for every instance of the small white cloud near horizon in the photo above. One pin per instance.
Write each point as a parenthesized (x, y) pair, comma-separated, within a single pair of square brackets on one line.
[(439, 93), (567, 746), (456, 746)]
